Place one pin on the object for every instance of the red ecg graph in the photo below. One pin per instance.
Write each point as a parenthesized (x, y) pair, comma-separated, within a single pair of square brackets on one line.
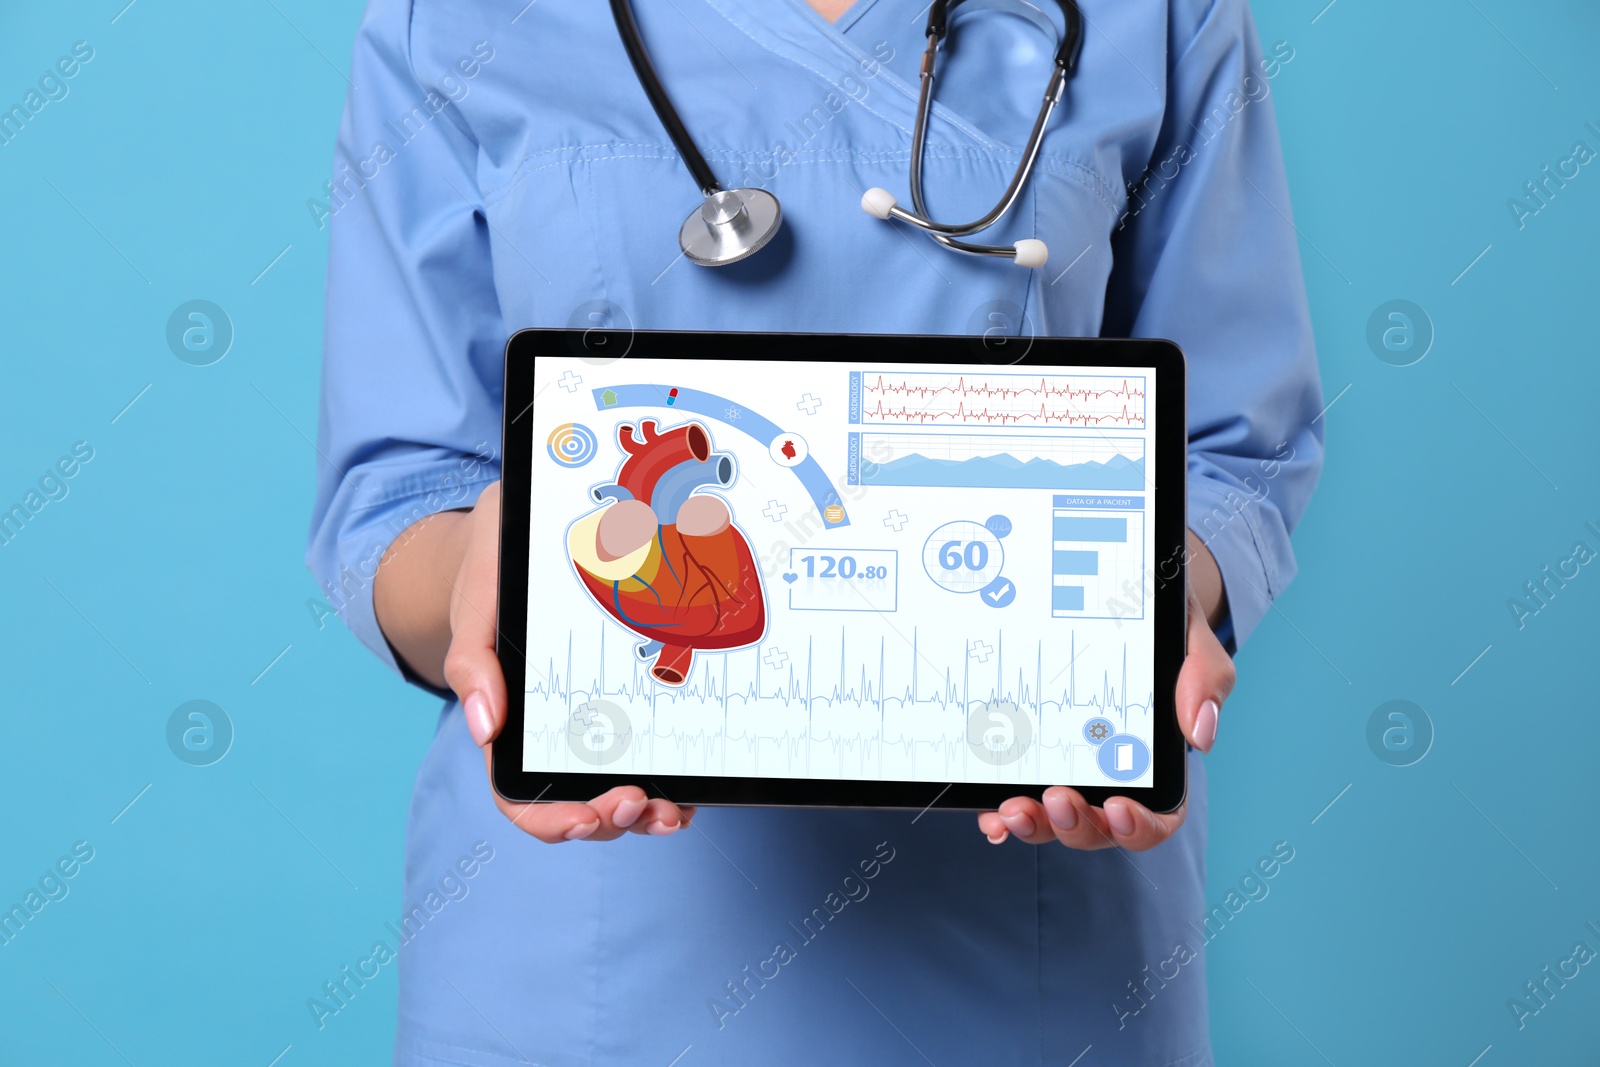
[(963, 401)]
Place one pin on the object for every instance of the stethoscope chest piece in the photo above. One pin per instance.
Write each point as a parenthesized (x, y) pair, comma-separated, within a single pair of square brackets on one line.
[(730, 225)]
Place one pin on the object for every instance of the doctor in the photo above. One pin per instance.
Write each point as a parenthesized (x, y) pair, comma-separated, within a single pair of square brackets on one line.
[(501, 168)]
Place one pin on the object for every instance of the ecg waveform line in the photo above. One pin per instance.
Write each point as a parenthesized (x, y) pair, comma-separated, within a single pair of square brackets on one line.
[(924, 399), (835, 718), (793, 685), (1006, 392), (962, 417)]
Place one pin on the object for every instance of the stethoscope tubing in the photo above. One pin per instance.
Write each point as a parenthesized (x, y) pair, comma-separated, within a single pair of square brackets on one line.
[(633, 42), (1066, 62), (945, 233)]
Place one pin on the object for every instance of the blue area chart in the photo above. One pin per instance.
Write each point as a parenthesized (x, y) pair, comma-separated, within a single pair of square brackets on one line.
[(1006, 472), (712, 406), (995, 461)]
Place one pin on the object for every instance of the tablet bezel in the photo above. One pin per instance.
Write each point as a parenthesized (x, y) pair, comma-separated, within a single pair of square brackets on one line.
[(1169, 594)]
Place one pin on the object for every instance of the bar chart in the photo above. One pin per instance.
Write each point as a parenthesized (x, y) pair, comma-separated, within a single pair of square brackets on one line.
[(1097, 556)]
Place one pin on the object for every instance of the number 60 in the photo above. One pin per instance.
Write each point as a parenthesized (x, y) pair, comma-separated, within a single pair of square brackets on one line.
[(975, 556)]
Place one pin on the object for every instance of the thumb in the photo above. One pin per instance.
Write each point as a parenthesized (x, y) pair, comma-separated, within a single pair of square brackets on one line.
[(471, 666), (1204, 682), (473, 672)]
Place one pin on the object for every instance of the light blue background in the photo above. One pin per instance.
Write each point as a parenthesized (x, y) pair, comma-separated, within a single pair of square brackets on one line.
[(178, 168)]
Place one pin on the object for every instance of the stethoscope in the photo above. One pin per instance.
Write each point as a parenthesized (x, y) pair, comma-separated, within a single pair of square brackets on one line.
[(733, 224)]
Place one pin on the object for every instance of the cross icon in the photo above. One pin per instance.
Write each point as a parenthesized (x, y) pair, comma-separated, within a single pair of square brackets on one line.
[(776, 659), (775, 511), (809, 404), (895, 521), (584, 713), (981, 651), (570, 381)]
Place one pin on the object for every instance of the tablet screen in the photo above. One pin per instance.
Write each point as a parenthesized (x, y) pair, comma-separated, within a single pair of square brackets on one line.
[(835, 571)]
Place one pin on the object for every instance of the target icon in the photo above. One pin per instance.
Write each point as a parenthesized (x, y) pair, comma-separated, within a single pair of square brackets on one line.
[(572, 444)]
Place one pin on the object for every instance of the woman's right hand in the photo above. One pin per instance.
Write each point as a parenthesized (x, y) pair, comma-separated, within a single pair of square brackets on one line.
[(472, 669)]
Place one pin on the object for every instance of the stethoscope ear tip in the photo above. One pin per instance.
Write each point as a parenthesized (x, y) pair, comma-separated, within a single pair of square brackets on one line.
[(877, 202), (1031, 252)]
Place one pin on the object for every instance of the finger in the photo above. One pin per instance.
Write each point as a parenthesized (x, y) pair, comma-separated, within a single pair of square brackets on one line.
[(661, 818), (474, 673), (470, 666), (1023, 818), (618, 809), (551, 823), (1136, 828), (1204, 682), (1074, 822)]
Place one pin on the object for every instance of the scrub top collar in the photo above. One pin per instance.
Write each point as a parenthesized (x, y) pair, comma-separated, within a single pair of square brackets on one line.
[(846, 20), (793, 31)]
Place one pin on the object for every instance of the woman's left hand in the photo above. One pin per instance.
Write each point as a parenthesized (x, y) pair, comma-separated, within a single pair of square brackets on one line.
[(1203, 684)]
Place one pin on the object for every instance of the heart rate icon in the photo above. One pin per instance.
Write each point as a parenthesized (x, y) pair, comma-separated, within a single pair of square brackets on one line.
[(791, 577)]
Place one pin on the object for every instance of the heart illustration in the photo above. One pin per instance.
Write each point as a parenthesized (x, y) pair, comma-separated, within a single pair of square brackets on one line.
[(663, 558), (791, 577)]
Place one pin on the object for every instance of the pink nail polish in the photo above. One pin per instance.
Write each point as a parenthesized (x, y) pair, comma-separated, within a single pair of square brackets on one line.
[(582, 830), (1120, 818), (1062, 814), (1205, 726), (479, 722), (1020, 825), (628, 812)]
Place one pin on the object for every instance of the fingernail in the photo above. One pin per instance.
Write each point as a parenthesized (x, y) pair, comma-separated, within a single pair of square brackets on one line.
[(1061, 811), (1205, 726), (628, 812), (1019, 824), (1120, 818), (582, 830), (998, 839), (661, 828), (479, 721)]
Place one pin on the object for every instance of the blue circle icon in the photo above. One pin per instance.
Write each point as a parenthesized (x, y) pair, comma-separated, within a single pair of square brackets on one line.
[(1098, 729), (1399, 733), (1399, 332), (199, 733), (998, 593), (1123, 757), (199, 333), (998, 525), (572, 444)]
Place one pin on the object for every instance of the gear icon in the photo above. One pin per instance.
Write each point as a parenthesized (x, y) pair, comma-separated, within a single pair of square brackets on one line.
[(1099, 731)]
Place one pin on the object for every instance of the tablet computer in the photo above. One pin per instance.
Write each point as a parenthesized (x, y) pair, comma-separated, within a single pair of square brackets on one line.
[(840, 570)]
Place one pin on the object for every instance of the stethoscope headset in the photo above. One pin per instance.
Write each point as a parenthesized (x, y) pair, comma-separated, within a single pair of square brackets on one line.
[(734, 224)]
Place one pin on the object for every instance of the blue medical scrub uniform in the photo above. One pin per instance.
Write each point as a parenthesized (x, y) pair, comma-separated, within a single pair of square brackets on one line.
[(501, 168)]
